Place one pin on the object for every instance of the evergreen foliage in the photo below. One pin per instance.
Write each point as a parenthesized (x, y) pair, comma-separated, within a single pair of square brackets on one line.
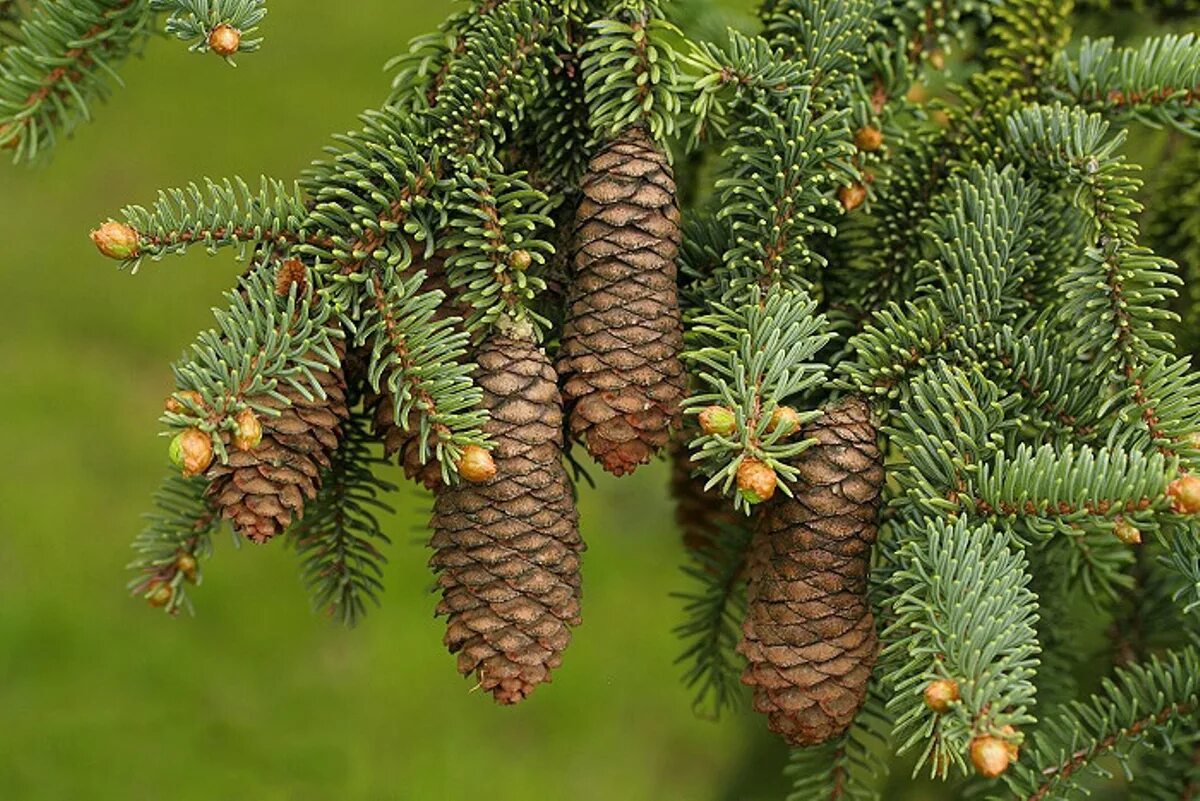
[(931, 206)]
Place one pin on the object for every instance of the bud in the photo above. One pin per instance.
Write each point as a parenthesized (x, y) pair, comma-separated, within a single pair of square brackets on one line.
[(174, 403), (191, 451), (249, 430), (990, 756), (755, 480), (940, 694), (718, 420), (1184, 493), (785, 419), (185, 563), (225, 40), (1126, 532), (868, 138), (937, 59), (291, 272), (116, 240), (520, 260), (851, 197), (476, 464), (159, 594), (917, 93)]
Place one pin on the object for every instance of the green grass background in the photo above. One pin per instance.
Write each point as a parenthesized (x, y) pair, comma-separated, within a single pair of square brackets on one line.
[(256, 697)]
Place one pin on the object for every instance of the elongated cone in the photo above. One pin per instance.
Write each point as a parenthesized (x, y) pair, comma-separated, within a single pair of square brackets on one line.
[(809, 636), (623, 380), (506, 550), (263, 490)]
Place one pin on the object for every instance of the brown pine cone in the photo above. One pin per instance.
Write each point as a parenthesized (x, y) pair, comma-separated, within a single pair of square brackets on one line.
[(623, 380), (507, 549), (700, 513), (809, 635), (263, 490)]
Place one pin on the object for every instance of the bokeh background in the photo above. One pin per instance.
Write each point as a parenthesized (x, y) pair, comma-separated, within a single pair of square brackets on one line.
[(256, 697), (102, 698)]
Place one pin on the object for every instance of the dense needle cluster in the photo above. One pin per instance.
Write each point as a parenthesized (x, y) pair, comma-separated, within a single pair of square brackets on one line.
[(871, 275)]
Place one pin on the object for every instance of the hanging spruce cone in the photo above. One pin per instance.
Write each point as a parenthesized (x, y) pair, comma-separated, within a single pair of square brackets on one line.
[(700, 513), (263, 489), (507, 549), (809, 636), (623, 379)]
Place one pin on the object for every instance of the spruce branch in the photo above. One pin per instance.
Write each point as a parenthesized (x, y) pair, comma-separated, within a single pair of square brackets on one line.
[(177, 536), (631, 70), (417, 356), (261, 344), (339, 537), (1143, 701), (64, 62), (961, 611), (197, 22), (222, 214), (1157, 82), (713, 612), (751, 359)]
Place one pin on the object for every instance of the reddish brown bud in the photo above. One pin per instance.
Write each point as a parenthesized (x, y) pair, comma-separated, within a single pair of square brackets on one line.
[(1184, 493), (291, 272), (116, 240), (185, 563), (755, 480), (520, 260), (852, 196), (476, 464), (249, 430), (225, 40), (990, 756), (1126, 532), (718, 420), (784, 419), (868, 138), (159, 594), (174, 403), (940, 694), (191, 451)]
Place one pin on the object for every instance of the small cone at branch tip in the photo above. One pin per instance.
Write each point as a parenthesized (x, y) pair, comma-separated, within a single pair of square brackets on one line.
[(1126, 532), (868, 138), (851, 197), (991, 756), (520, 260), (476, 464), (116, 240), (756, 481), (191, 451), (225, 40), (291, 272), (159, 594), (185, 563), (249, 430), (941, 694), (1184, 493), (784, 419), (718, 420), (174, 403)]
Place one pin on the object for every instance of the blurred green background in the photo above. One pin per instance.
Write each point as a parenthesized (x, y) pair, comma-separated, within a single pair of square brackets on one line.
[(256, 697)]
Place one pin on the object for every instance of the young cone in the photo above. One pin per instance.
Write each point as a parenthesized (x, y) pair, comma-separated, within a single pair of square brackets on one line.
[(623, 380), (809, 636), (507, 549), (263, 490)]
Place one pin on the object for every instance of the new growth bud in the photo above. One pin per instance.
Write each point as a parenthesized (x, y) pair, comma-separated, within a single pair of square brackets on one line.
[(718, 420), (224, 40), (249, 430), (853, 196), (476, 464), (940, 694), (116, 240), (1184, 493), (756, 481), (191, 451)]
